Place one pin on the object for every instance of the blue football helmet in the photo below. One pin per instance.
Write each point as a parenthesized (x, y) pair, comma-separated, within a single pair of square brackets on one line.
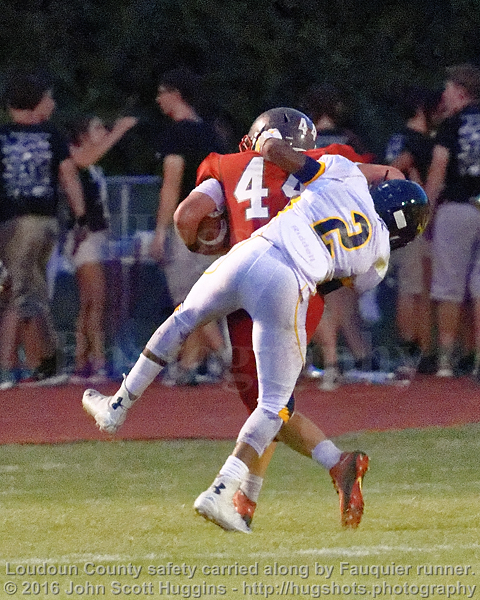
[(403, 206)]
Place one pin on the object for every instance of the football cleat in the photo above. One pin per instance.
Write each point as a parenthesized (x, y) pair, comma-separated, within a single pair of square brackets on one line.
[(109, 412), (244, 506), (216, 505), (347, 476)]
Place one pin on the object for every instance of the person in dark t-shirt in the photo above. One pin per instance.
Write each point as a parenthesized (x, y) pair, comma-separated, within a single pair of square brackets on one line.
[(34, 160), (453, 189), (187, 140)]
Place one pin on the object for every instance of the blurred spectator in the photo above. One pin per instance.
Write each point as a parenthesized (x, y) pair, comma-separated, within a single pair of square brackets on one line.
[(325, 105), (186, 142), (453, 184), (341, 316), (89, 141), (34, 159), (410, 150)]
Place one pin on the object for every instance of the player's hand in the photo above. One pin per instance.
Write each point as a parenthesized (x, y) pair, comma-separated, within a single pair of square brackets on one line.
[(212, 234)]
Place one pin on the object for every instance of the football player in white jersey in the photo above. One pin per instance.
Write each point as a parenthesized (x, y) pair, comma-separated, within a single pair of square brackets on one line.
[(332, 232)]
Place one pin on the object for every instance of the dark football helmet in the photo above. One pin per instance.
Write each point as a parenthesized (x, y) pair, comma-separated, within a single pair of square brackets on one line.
[(403, 205), (295, 128)]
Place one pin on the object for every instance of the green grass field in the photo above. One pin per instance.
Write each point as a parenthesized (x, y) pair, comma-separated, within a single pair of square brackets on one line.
[(81, 519)]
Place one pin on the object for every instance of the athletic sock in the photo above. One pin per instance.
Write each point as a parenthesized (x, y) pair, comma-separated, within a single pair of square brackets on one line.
[(234, 468), (141, 376), (251, 486), (327, 454)]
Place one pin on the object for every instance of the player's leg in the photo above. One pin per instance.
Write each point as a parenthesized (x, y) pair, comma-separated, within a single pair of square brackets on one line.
[(243, 366), (347, 469), (213, 296), (299, 433), (272, 297), (244, 376)]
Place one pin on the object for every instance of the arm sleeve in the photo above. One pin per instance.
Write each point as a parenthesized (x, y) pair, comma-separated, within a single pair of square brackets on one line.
[(212, 188)]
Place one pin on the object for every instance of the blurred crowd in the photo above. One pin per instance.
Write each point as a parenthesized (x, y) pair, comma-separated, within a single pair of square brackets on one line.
[(424, 318)]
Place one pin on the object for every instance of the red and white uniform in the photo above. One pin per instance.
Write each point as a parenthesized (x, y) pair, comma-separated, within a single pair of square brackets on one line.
[(266, 276), (254, 191)]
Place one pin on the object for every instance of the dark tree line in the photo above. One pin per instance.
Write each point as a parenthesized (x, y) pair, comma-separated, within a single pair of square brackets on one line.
[(253, 54)]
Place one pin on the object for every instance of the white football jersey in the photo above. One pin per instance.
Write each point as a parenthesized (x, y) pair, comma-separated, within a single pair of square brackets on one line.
[(332, 230)]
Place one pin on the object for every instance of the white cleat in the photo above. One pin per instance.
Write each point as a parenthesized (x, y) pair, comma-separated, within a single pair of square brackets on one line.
[(109, 412), (216, 505)]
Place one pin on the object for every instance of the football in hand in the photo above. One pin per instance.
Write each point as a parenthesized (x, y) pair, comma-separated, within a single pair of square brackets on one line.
[(212, 234)]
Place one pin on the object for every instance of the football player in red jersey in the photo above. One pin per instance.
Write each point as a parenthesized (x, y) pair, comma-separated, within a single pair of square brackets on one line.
[(271, 275), (253, 191)]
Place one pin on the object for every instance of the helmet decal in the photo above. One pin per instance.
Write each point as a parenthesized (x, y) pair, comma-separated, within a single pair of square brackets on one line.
[(400, 219)]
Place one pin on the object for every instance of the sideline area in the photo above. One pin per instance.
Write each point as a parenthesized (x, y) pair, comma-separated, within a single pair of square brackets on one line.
[(55, 415)]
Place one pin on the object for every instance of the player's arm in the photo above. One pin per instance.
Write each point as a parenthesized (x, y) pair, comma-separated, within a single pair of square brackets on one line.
[(190, 213), (371, 278), (278, 151), (306, 169), (206, 200)]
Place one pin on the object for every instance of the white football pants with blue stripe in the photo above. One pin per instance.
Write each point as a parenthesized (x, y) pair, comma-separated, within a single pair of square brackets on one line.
[(254, 276)]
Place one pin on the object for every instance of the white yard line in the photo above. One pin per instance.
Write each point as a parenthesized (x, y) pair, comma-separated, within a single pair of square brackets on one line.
[(334, 552)]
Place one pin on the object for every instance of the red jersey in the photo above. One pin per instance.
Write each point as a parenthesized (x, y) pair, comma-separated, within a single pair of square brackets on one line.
[(255, 189)]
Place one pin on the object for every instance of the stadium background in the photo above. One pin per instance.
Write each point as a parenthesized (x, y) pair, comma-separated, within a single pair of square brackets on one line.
[(132, 501), (107, 54), (106, 57)]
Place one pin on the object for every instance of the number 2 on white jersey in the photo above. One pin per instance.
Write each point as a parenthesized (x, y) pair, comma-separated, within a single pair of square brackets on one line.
[(250, 187)]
